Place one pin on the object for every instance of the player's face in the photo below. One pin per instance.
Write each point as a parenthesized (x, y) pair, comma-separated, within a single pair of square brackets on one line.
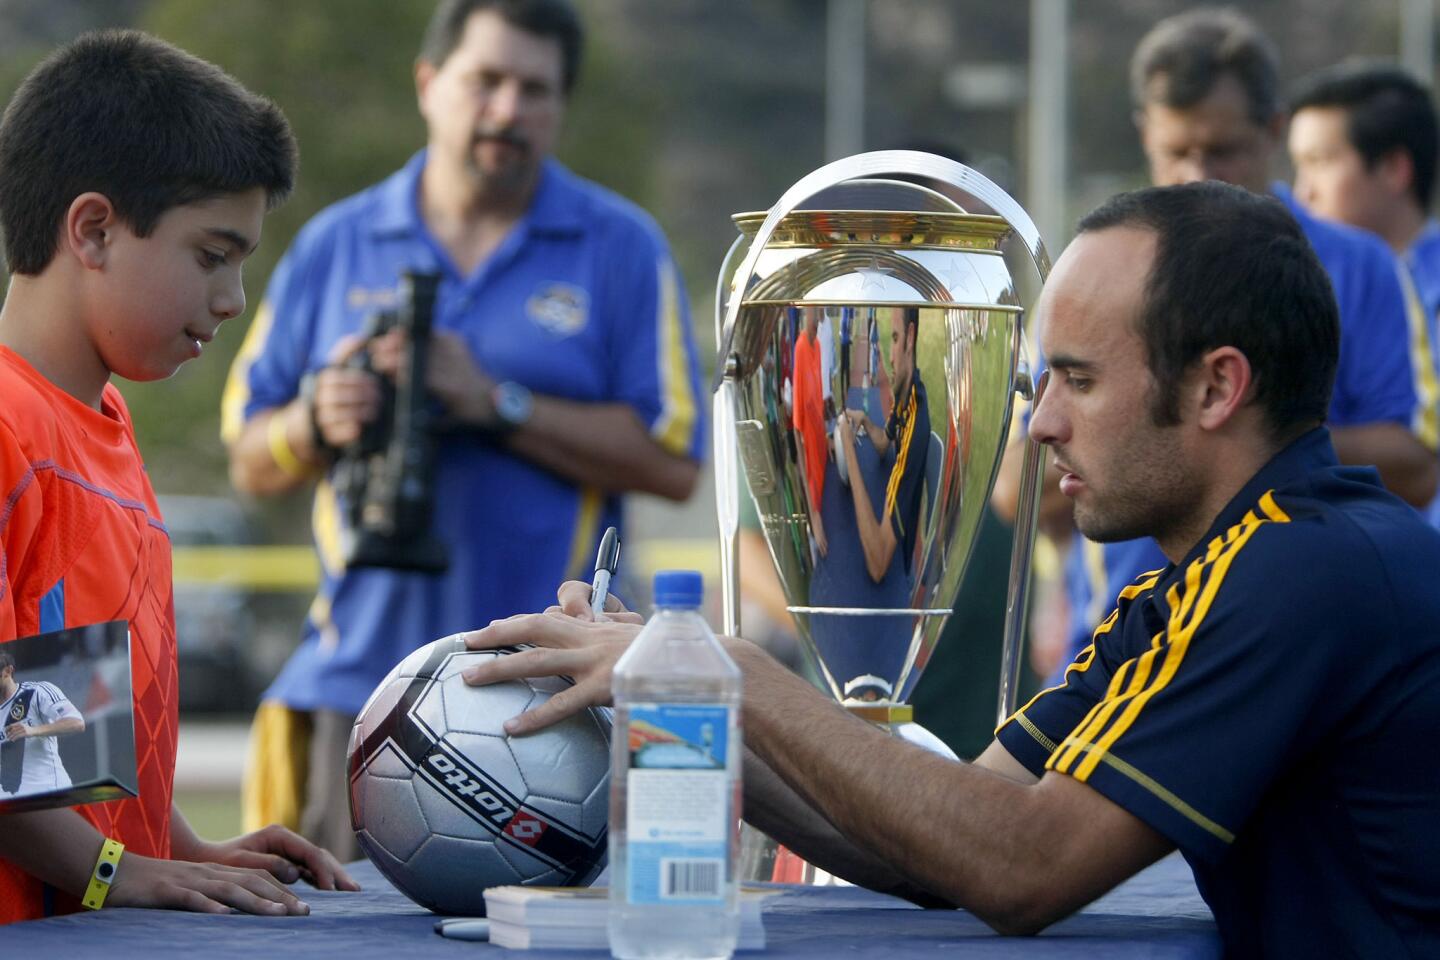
[(495, 105), (1213, 139), (902, 350), (1126, 476), (165, 295), (1331, 179)]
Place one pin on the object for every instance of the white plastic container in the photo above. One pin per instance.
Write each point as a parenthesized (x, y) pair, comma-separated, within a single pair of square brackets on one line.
[(675, 785)]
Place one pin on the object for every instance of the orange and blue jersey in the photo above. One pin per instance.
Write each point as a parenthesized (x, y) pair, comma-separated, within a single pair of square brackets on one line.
[(580, 301), (1266, 705), (82, 542)]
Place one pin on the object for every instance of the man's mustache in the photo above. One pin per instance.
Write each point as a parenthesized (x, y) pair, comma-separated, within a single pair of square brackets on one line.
[(509, 137)]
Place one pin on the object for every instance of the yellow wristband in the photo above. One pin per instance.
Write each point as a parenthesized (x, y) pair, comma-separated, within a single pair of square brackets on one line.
[(104, 872), (280, 449)]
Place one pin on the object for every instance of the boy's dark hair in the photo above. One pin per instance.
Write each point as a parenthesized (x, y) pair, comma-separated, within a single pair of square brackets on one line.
[(146, 124), (1181, 59), (1232, 268), (1386, 109), (552, 19), (6, 660)]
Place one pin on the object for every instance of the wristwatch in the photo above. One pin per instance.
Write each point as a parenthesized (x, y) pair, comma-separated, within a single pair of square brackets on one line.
[(513, 404)]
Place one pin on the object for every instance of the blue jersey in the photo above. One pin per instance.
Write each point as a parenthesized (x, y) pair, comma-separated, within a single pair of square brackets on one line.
[(1386, 375), (580, 301), (1422, 261), (1266, 703)]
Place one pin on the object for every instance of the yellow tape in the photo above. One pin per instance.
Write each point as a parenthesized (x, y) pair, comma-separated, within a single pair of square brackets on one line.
[(258, 568), (295, 567)]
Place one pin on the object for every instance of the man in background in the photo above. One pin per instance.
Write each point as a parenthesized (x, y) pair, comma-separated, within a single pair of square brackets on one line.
[(1364, 142), (1205, 89), (562, 351)]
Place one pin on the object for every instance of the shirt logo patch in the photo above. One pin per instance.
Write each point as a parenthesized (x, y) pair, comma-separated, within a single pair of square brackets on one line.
[(362, 298), (561, 308)]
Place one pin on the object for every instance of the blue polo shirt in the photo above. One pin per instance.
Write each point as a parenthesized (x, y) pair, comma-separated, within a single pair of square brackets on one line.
[(1386, 374), (580, 301), (1422, 261), (1267, 704)]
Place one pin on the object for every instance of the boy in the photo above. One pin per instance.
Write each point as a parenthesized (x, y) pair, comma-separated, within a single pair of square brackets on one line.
[(133, 182)]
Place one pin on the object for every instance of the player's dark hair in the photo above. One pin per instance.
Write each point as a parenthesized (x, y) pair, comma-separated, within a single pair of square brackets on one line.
[(1232, 268), (1386, 109), (6, 659), (146, 124), (1181, 59), (551, 19)]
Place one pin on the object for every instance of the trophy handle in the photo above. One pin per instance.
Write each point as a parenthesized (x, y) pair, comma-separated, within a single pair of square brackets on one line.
[(1032, 478), (727, 475), (882, 163)]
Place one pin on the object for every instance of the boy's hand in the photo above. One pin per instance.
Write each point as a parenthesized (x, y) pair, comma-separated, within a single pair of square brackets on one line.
[(568, 642), (200, 887), (281, 853), (16, 731)]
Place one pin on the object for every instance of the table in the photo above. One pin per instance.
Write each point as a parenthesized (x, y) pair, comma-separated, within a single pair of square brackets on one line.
[(1155, 914)]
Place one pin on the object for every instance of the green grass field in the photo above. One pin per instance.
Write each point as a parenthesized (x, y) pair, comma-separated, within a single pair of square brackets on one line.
[(214, 814)]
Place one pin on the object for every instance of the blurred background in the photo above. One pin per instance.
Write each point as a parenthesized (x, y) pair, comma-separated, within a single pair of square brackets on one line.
[(692, 109)]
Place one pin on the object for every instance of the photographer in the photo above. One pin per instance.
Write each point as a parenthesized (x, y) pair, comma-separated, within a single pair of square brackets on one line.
[(561, 356)]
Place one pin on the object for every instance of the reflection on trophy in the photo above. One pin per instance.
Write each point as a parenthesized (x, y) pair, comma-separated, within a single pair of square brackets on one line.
[(871, 350)]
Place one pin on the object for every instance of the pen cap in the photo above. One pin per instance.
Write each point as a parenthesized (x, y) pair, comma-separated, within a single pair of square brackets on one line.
[(679, 588)]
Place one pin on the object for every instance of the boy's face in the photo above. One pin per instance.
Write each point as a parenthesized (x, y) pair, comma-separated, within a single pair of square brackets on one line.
[(163, 296), (1331, 177)]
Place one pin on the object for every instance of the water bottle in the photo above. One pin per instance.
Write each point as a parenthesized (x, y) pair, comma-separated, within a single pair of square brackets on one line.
[(675, 785)]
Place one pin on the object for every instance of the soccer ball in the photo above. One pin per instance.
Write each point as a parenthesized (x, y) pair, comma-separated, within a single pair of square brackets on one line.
[(445, 804)]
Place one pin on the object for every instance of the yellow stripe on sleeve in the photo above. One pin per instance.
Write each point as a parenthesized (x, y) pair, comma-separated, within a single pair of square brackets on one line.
[(1425, 423), (1203, 580), (1159, 790), (674, 430), (325, 525), (582, 544), (237, 384)]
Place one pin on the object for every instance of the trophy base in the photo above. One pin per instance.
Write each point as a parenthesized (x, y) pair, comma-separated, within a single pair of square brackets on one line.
[(764, 859)]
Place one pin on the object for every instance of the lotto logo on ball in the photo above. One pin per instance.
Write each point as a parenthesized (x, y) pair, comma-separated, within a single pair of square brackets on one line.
[(446, 804), (525, 828)]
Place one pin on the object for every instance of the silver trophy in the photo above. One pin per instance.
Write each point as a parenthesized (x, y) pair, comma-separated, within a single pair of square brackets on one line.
[(871, 349)]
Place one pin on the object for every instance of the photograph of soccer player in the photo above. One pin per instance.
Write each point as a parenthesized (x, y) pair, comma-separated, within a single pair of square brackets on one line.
[(36, 714)]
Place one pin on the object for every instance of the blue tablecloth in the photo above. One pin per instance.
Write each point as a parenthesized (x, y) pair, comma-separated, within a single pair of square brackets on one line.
[(1155, 914)]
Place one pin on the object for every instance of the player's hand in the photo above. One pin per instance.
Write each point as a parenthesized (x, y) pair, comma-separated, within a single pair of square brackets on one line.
[(281, 853), (17, 731), (345, 398), (200, 887), (567, 642)]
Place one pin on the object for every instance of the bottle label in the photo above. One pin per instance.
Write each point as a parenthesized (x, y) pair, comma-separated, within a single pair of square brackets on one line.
[(677, 807)]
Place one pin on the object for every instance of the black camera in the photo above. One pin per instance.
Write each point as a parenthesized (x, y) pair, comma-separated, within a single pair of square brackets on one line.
[(386, 478)]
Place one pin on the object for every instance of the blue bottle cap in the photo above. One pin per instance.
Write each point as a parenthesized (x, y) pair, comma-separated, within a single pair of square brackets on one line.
[(679, 588)]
